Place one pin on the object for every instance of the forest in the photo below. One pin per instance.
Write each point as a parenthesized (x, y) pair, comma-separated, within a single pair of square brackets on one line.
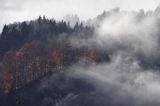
[(31, 49), (110, 60)]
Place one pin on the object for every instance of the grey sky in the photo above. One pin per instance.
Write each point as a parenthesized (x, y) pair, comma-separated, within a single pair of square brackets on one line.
[(19, 10)]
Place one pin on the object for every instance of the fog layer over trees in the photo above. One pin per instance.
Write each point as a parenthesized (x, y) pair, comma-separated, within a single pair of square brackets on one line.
[(111, 60)]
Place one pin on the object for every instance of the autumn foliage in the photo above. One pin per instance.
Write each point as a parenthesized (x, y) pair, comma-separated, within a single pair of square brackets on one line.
[(31, 50)]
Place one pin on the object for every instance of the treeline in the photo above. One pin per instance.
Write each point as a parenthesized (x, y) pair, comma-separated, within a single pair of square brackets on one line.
[(15, 35)]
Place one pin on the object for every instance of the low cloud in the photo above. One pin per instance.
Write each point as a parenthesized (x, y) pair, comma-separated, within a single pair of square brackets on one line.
[(130, 78), (134, 31), (123, 81)]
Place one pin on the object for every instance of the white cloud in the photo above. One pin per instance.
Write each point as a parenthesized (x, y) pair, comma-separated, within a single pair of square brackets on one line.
[(123, 80), (134, 31)]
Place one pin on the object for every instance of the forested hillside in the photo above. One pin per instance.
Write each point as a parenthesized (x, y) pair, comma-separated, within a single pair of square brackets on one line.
[(110, 60), (32, 49)]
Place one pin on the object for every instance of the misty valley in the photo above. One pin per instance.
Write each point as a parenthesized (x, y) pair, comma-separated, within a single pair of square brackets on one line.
[(110, 60)]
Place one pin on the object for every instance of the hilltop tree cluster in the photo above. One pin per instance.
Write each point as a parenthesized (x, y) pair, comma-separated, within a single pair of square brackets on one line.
[(32, 49)]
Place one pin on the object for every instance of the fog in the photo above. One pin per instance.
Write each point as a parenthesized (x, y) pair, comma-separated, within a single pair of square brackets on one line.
[(130, 78), (122, 81)]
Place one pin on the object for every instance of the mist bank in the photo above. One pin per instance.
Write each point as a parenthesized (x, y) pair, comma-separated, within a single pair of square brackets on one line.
[(131, 39)]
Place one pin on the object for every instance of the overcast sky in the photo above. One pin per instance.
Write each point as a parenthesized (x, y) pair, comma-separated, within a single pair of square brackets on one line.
[(19, 10)]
